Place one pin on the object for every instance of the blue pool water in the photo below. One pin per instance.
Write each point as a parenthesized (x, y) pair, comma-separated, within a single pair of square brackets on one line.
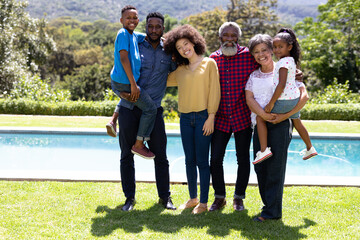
[(96, 157)]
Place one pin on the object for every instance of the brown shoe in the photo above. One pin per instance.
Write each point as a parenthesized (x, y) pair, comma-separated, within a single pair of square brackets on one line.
[(143, 152), (200, 208), (217, 204), (190, 203), (238, 204)]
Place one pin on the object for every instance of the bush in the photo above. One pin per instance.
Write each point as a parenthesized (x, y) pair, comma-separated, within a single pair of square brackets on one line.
[(69, 108), (345, 112), (33, 88), (336, 93)]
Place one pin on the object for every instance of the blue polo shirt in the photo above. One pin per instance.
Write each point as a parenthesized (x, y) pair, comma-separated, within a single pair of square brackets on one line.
[(129, 42), (155, 68)]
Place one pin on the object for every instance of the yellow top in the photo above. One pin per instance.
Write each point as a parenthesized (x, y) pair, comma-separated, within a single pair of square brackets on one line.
[(199, 89)]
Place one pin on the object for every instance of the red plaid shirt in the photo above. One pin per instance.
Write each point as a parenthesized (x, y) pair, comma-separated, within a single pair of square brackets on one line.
[(233, 114)]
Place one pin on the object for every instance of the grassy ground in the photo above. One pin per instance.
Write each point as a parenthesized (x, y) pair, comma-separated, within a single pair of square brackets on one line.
[(85, 210), (99, 122), (78, 210)]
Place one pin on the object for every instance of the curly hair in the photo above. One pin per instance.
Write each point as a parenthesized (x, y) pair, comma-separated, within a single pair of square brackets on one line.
[(188, 32), (288, 35)]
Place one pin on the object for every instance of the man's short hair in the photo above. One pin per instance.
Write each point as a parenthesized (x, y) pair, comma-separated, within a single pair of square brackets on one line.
[(230, 24), (127, 7), (155, 15)]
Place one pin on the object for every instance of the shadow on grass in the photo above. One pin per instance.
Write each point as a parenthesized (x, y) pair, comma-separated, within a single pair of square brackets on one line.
[(219, 224)]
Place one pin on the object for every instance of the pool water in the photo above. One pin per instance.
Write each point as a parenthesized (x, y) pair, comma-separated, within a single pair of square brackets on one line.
[(96, 157)]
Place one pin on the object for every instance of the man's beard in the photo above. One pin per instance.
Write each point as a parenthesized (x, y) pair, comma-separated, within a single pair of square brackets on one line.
[(153, 40), (229, 51)]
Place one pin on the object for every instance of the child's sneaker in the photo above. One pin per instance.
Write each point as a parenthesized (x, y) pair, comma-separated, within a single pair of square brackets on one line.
[(111, 129), (261, 156), (308, 154), (143, 152)]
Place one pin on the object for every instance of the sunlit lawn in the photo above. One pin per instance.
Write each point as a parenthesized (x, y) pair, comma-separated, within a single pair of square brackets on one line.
[(99, 122), (85, 210)]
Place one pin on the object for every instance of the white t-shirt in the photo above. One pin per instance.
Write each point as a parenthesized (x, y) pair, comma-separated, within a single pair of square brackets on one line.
[(291, 91), (261, 85)]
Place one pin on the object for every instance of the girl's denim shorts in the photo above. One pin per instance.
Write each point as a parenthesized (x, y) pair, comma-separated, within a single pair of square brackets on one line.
[(284, 106)]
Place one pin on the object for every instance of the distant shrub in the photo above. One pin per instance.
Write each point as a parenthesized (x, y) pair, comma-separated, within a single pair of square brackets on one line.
[(345, 112), (336, 93), (33, 88)]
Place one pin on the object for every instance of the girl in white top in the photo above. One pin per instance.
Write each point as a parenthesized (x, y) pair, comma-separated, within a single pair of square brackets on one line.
[(286, 93)]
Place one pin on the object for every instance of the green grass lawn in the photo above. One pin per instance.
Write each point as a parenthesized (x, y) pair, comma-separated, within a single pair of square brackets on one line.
[(99, 122), (85, 210)]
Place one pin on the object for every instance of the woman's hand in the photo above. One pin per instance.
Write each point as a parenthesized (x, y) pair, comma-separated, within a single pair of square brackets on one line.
[(208, 127), (278, 117), (269, 107), (268, 116)]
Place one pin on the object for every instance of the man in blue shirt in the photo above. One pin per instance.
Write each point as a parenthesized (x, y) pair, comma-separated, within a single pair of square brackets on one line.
[(155, 67)]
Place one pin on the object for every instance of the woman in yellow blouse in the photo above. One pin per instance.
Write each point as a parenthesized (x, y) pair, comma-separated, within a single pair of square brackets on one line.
[(197, 78)]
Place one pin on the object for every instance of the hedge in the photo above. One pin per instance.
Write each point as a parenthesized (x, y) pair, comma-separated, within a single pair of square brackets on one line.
[(68, 108), (346, 112)]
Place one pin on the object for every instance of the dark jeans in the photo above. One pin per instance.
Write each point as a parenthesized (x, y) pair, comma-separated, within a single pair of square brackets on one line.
[(146, 104), (196, 148), (128, 127), (219, 142), (271, 172)]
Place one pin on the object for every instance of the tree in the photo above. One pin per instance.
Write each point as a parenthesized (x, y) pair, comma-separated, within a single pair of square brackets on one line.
[(331, 45), (208, 24), (253, 16), (24, 43)]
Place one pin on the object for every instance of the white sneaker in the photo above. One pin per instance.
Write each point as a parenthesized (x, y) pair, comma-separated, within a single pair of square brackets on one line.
[(261, 156), (308, 154)]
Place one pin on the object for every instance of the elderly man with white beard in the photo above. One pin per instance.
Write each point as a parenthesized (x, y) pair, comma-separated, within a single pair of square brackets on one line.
[(235, 64)]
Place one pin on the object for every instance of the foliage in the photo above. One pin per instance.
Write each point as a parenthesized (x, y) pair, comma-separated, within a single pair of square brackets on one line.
[(69, 108), (289, 11), (208, 24), (332, 44), (33, 88), (24, 43), (344, 112), (88, 82), (170, 105), (336, 93), (253, 16)]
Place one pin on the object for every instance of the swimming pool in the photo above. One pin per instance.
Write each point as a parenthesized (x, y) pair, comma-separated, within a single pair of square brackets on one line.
[(95, 156)]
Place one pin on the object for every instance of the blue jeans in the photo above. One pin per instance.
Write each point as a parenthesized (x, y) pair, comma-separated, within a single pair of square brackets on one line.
[(196, 148), (128, 126), (271, 173), (146, 104), (219, 142)]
